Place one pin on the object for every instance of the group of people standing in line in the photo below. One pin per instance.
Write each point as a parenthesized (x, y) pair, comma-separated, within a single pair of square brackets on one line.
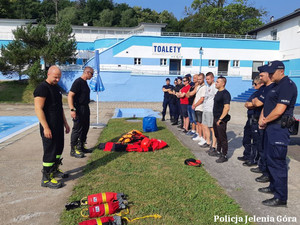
[(270, 108), (267, 130), (202, 107), (49, 110)]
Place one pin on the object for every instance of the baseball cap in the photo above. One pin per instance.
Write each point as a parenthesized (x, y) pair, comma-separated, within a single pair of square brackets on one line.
[(262, 69), (179, 78), (167, 79), (273, 66)]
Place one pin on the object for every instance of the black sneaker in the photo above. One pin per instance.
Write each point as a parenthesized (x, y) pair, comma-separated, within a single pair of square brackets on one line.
[(211, 149), (249, 164), (222, 159), (214, 153), (205, 145)]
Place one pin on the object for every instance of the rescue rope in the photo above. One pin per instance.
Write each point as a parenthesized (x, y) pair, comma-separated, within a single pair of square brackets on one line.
[(156, 216)]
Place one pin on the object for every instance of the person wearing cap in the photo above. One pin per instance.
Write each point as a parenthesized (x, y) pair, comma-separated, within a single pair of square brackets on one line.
[(167, 100), (258, 103), (277, 118), (251, 138)]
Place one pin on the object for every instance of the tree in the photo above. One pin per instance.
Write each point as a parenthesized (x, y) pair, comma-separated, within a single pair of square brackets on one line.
[(34, 43), (211, 16), (106, 18)]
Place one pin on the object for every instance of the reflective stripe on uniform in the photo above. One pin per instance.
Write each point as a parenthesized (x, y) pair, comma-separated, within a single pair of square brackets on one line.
[(48, 164), (58, 156)]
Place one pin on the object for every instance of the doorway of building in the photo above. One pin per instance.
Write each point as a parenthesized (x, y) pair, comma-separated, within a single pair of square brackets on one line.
[(223, 67), (255, 66), (175, 66)]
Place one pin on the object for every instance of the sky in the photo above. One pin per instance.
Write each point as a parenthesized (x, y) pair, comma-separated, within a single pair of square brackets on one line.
[(276, 8)]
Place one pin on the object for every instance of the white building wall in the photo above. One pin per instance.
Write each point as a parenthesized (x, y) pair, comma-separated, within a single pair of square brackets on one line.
[(288, 33)]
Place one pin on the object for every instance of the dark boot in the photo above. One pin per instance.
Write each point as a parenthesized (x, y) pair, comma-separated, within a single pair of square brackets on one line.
[(83, 149), (58, 172), (163, 118), (49, 181), (76, 152), (172, 119), (175, 122)]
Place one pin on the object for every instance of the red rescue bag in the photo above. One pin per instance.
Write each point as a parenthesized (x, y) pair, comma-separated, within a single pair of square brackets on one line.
[(116, 220), (104, 197)]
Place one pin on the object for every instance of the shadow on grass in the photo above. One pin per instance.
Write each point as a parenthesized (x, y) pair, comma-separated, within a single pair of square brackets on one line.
[(80, 171)]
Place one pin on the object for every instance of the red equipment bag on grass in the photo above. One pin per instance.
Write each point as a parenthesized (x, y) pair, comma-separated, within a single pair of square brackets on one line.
[(146, 145), (116, 220), (103, 209), (104, 197)]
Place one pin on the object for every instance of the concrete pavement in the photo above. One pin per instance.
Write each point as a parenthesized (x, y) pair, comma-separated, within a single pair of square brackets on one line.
[(24, 201)]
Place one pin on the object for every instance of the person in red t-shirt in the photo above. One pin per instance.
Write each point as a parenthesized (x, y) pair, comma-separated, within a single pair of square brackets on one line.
[(184, 101)]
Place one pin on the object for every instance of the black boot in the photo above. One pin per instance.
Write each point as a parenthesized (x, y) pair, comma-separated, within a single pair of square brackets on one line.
[(175, 122), (172, 119), (76, 152), (49, 181), (163, 118), (58, 172), (83, 149)]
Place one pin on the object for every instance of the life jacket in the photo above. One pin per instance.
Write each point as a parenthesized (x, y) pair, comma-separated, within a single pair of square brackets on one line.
[(131, 137), (150, 146), (109, 220)]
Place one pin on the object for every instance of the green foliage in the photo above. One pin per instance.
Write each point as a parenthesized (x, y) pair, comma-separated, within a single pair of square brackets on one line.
[(156, 182), (212, 16), (33, 43)]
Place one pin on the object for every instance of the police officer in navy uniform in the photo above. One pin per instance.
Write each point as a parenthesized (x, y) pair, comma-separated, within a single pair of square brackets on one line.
[(49, 110), (277, 118), (167, 100)]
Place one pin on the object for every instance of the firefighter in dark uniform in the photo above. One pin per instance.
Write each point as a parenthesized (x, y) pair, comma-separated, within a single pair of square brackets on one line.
[(176, 90), (167, 100), (78, 100), (49, 110), (277, 118)]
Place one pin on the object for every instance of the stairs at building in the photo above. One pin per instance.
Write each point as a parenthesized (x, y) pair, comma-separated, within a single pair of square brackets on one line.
[(244, 96)]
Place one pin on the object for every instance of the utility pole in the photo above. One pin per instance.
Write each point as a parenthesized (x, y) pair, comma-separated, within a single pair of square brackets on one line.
[(56, 10)]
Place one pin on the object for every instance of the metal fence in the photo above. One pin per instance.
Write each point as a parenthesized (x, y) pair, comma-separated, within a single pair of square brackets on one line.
[(181, 34)]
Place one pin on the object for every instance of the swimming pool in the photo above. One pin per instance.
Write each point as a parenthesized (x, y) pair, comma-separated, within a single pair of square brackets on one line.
[(134, 112), (13, 125)]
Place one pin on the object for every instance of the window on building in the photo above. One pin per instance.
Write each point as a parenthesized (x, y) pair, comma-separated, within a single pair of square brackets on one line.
[(163, 62), (212, 63), (137, 61), (188, 62), (274, 34), (84, 61), (236, 63)]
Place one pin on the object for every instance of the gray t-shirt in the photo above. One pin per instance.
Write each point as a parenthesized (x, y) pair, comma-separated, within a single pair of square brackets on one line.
[(210, 93)]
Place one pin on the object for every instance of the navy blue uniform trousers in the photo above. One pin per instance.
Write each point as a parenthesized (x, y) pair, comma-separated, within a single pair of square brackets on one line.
[(275, 143)]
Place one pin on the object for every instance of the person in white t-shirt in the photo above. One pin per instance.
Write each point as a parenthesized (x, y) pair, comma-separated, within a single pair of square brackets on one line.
[(198, 107), (207, 117)]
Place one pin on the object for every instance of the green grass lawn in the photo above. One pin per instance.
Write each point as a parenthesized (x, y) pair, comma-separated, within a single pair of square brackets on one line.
[(156, 182), (12, 91)]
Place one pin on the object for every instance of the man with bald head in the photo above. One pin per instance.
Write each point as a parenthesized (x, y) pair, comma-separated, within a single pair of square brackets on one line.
[(49, 110), (79, 99)]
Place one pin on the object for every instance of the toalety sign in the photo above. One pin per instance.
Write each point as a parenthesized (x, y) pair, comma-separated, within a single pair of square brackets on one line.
[(166, 49)]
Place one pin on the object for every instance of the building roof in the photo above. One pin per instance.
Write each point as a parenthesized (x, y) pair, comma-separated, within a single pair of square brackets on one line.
[(275, 22)]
